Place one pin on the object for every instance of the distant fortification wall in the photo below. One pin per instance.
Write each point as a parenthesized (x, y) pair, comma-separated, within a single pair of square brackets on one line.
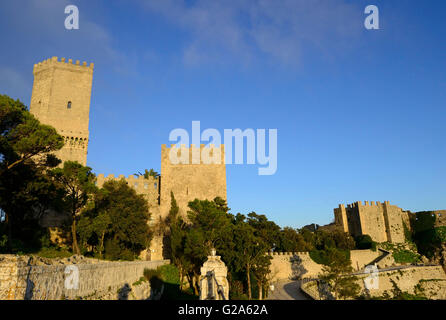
[(19, 281), (383, 222), (299, 265), (429, 281)]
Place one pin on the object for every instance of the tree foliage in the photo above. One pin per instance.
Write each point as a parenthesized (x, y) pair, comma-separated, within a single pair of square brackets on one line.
[(337, 274), (26, 191), (78, 182), (23, 138), (115, 224)]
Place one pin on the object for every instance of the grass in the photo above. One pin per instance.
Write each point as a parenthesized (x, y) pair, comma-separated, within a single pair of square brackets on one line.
[(54, 252), (140, 281), (405, 256)]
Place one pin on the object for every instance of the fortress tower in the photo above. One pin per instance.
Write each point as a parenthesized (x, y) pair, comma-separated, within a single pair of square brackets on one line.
[(61, 98), (199, 174), (383, 222)]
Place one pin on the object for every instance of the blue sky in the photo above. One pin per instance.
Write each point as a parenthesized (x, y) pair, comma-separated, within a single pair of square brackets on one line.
[(360, 113)]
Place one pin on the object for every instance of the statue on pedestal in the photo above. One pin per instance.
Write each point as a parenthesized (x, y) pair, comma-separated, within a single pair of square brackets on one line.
[(213, 282)]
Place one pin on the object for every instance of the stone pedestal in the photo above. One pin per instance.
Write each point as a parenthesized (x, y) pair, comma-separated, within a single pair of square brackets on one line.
[(213, 282)]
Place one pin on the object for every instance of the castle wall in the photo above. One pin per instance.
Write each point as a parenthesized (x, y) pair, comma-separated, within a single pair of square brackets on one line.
[(56, 83), (383, 222), (150, 189), (341, 217), (362, 258), (19, 281), (440, 218), (431, 280), (372, 220), (395, 229), (353, 220), (293, 265), (191, 179)]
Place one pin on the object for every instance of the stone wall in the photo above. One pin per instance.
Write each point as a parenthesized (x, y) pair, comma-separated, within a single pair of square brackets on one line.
[(192, 178), (293, 265), (430, 281), (383, 222), (61, 98), (19, 280), (362, 258), (299, 265)]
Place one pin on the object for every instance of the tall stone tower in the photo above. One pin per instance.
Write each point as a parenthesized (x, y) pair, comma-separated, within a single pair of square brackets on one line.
[(61, 98), (193, 178)]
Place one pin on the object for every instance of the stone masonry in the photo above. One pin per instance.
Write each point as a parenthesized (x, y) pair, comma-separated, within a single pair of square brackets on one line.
[(383, 222), (20, 279), (61, 98)]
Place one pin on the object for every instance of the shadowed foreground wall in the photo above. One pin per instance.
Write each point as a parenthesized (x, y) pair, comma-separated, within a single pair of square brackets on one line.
[(19, 281)]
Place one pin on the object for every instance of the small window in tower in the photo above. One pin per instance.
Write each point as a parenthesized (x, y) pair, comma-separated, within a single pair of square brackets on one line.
[(69, 105)]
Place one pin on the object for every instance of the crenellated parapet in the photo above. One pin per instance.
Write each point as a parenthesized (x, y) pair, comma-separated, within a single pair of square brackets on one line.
[(289, 254), (358, 204), (382, 221), (137, 182), (54, 61)]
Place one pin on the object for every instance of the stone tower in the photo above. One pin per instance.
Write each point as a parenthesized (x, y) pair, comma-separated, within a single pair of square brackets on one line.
[(383, 222), (61, 98), (193, 177)]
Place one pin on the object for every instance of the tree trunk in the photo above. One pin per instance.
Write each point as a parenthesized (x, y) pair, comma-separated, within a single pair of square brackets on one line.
[(181, 277), (8, 221), (248, 269), (101, 248), (195, 284), (259, 285), (74, 236)]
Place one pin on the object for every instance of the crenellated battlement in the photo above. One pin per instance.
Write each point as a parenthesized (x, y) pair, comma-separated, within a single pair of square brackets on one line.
[(304, 253), (54, 61), (382, 221), (131, 177), (366, 204)]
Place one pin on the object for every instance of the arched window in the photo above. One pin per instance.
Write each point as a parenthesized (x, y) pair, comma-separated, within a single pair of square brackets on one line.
[(69, 105)]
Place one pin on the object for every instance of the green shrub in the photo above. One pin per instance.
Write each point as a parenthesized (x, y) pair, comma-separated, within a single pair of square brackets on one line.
[(54, 252), (169, 274), (141, 280), (440, 234), (405, 256), (321, 256), (365, 242)]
